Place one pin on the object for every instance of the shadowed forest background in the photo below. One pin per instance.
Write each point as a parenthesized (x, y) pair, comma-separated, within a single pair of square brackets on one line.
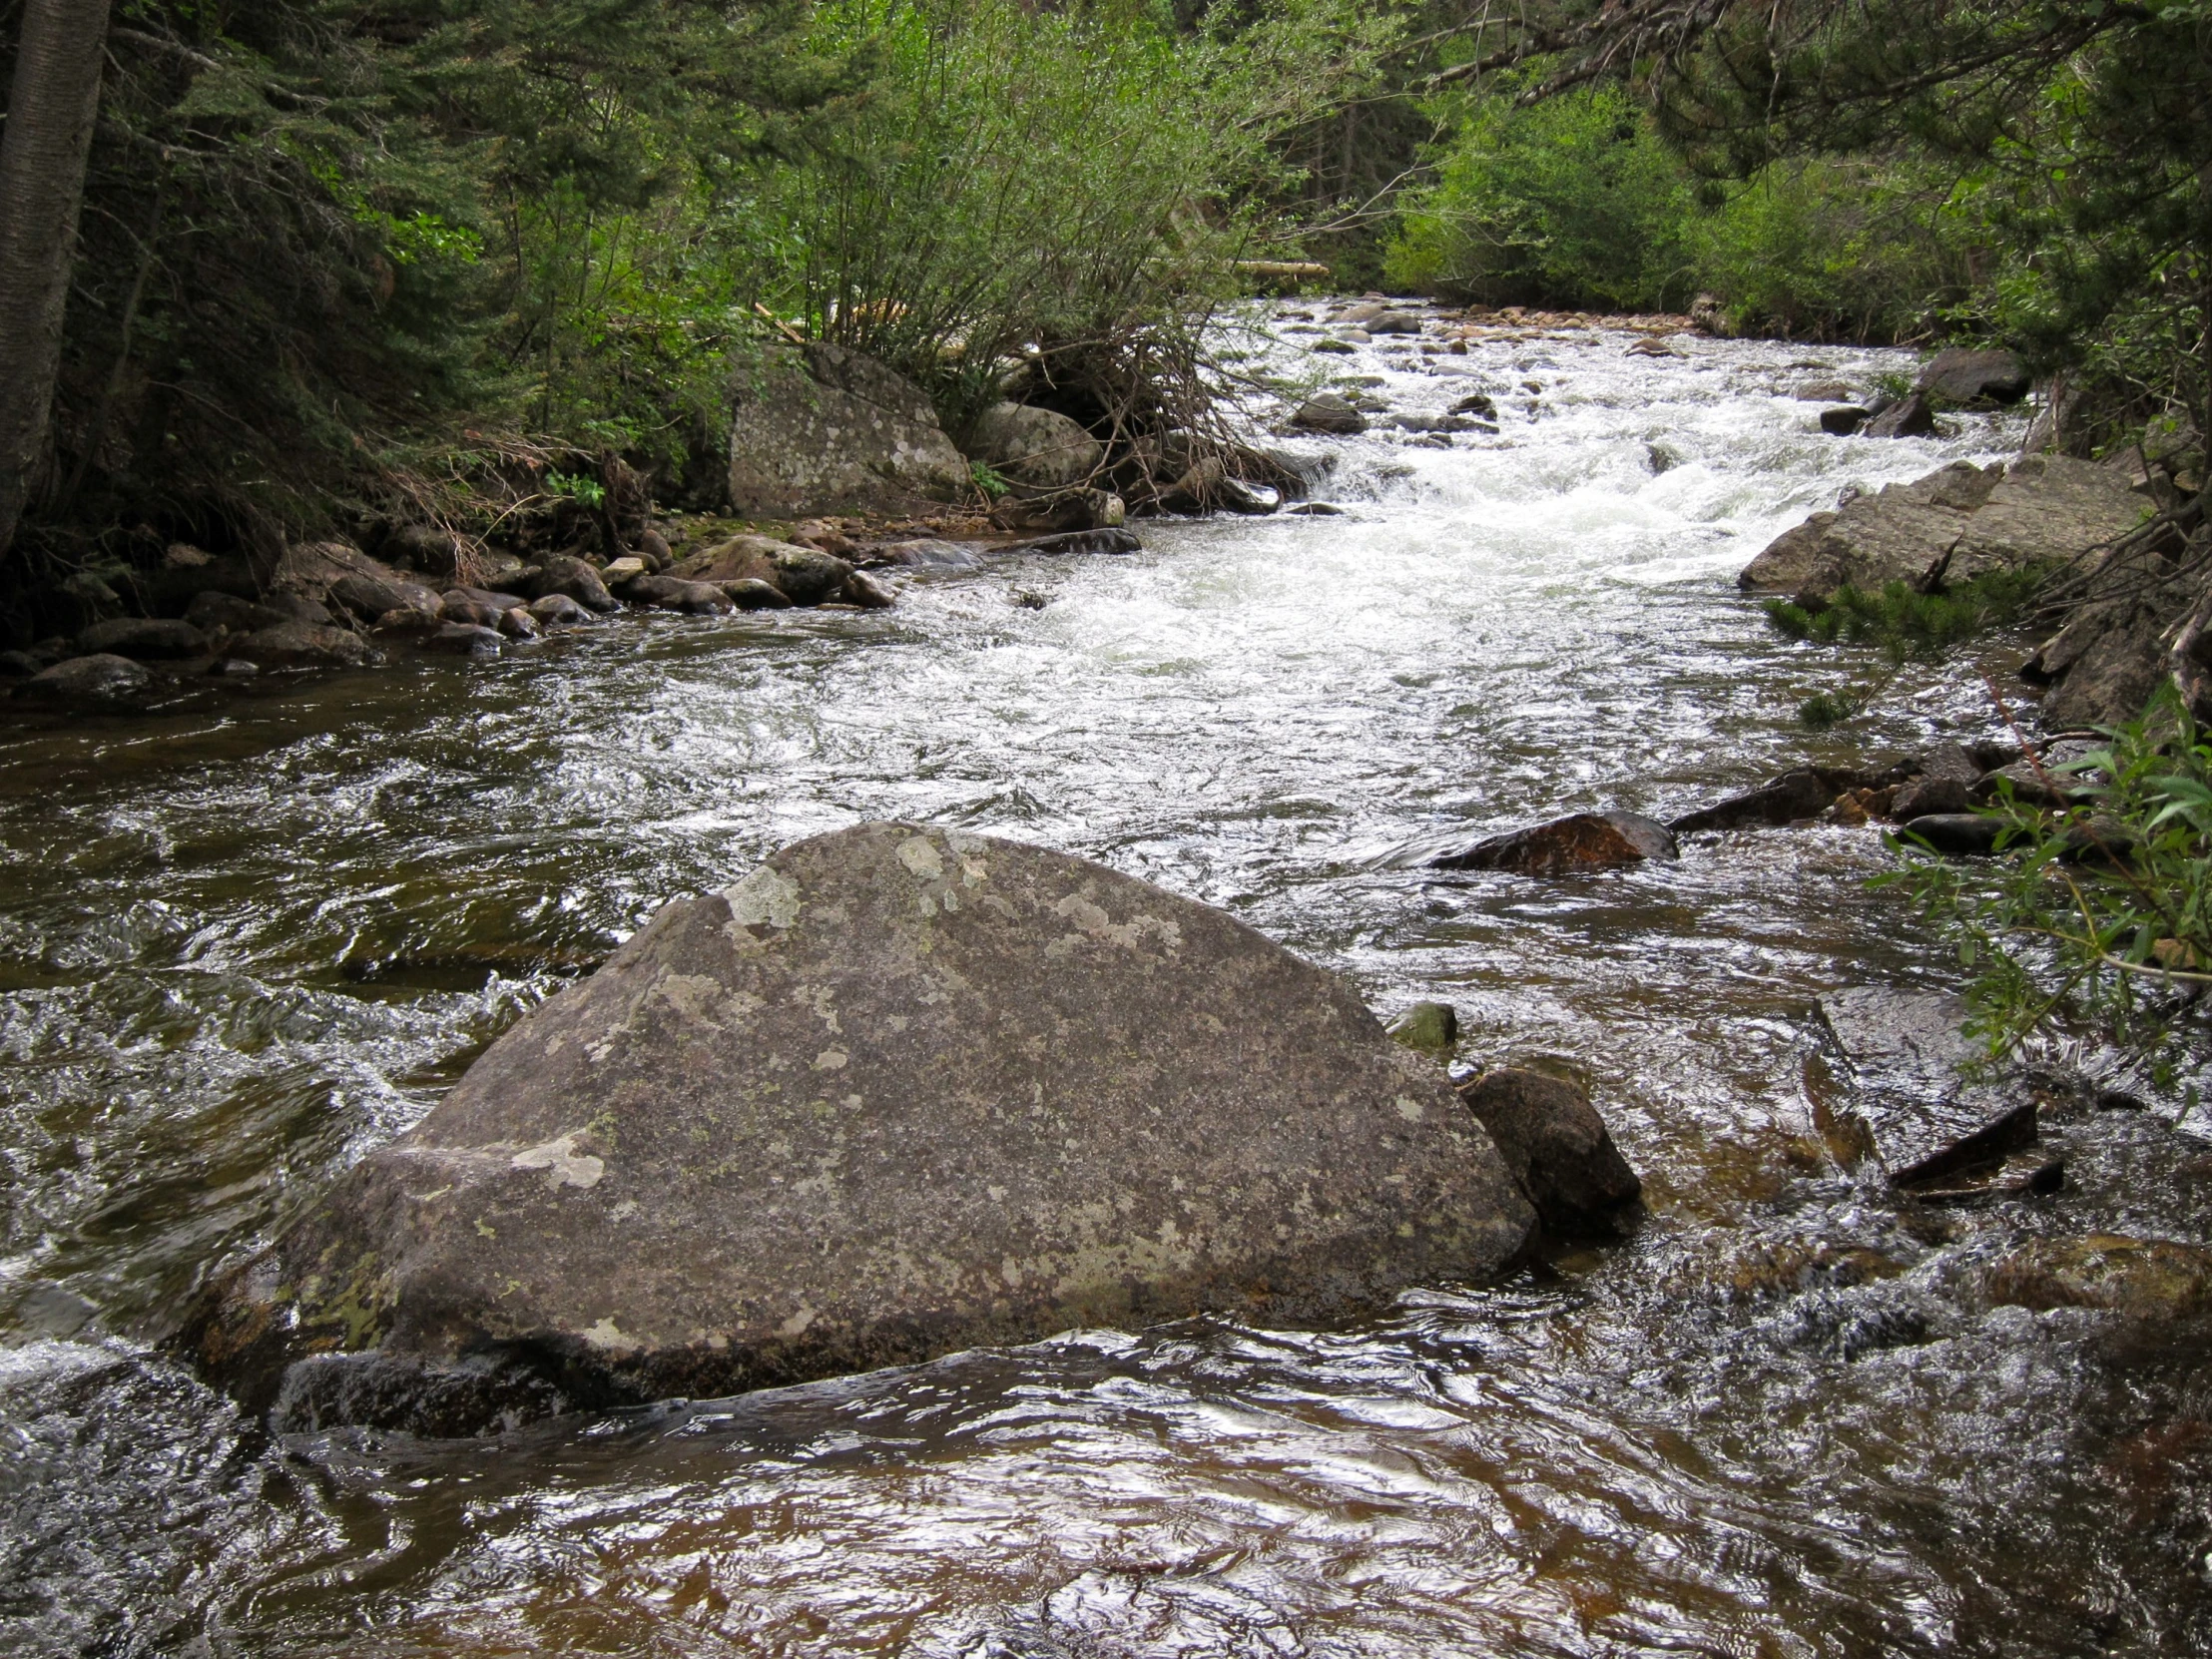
[(341, 263)]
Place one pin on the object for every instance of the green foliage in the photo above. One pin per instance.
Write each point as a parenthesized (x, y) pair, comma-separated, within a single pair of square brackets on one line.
[(1077, 180), (1906, 624), (987, 480), (2101, 911), (1573, 200), (1578, 201)]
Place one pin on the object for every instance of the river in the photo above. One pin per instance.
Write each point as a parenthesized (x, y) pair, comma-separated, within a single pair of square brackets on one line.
[(241, 944)]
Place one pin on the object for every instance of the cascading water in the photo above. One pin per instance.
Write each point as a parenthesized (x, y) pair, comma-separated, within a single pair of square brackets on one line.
[(238, 946)]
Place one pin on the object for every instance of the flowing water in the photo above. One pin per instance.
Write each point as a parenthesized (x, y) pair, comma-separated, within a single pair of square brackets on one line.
[(242, 944)]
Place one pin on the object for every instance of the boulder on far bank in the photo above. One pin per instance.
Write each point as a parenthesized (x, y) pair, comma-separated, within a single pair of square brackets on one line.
[(895, 1094), (817, 429), (1040, 448), (1960, 375)]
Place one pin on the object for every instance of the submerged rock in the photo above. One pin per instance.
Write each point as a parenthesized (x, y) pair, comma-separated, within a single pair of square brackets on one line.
[(896, 1093), (1793, 798), (1430, 1028), (1956, 834), (1558, 1150), (1912, 1107), (1581, 840), (1079, 541), (2147, 1278)]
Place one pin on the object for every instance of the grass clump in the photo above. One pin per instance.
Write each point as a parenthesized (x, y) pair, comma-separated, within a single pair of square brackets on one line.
[(1824, 711), (1908, 625)]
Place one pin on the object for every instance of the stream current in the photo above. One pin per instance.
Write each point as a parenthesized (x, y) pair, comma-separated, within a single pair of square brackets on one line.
[(241, 944)]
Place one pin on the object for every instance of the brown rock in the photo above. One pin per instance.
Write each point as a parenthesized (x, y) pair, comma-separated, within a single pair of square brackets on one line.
[(898, 1092), (2146, 1278), (1790, 799), (100, 681), (566, 574), (1579, 842), (1558, 1149), (305, 645)]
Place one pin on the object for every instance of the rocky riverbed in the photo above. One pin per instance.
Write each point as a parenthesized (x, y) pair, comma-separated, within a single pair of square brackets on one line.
[(1816, 1398)]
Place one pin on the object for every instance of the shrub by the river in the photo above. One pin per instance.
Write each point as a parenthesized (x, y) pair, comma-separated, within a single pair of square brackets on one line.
[(2097, 913)]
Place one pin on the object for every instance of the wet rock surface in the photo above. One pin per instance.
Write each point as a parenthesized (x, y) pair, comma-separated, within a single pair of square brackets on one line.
[(1578, 841), (99, 680), (1961, 374), (1913, 1104), (1558, 1150), (1793, 797), (1430, 1028), (804, 575), (896, 1092)]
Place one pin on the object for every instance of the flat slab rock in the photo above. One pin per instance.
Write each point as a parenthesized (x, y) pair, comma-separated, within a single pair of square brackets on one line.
[(1578, 841), (1912, 1107), (896, 1093)]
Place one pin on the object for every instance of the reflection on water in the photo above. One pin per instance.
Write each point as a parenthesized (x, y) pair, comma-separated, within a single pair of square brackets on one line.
[(241, 944)]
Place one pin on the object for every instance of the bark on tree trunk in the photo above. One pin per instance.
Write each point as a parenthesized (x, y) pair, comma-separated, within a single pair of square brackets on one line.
[(43, 147)]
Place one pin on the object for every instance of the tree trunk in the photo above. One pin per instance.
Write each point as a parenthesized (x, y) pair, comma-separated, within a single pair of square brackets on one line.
[(51, 110)]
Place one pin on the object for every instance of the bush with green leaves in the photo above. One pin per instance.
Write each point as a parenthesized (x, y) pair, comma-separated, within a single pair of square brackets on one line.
[(1077, 182), (1573, 200), (2098, 913)]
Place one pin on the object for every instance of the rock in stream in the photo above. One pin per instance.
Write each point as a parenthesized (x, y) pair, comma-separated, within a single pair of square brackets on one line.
[(896, 1093)]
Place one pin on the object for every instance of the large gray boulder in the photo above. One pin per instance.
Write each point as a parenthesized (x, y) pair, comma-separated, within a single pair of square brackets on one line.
[(2045, 509), (1897, 534), (1040, 448), (817, 429), (895, 1094), (1960, 522)]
